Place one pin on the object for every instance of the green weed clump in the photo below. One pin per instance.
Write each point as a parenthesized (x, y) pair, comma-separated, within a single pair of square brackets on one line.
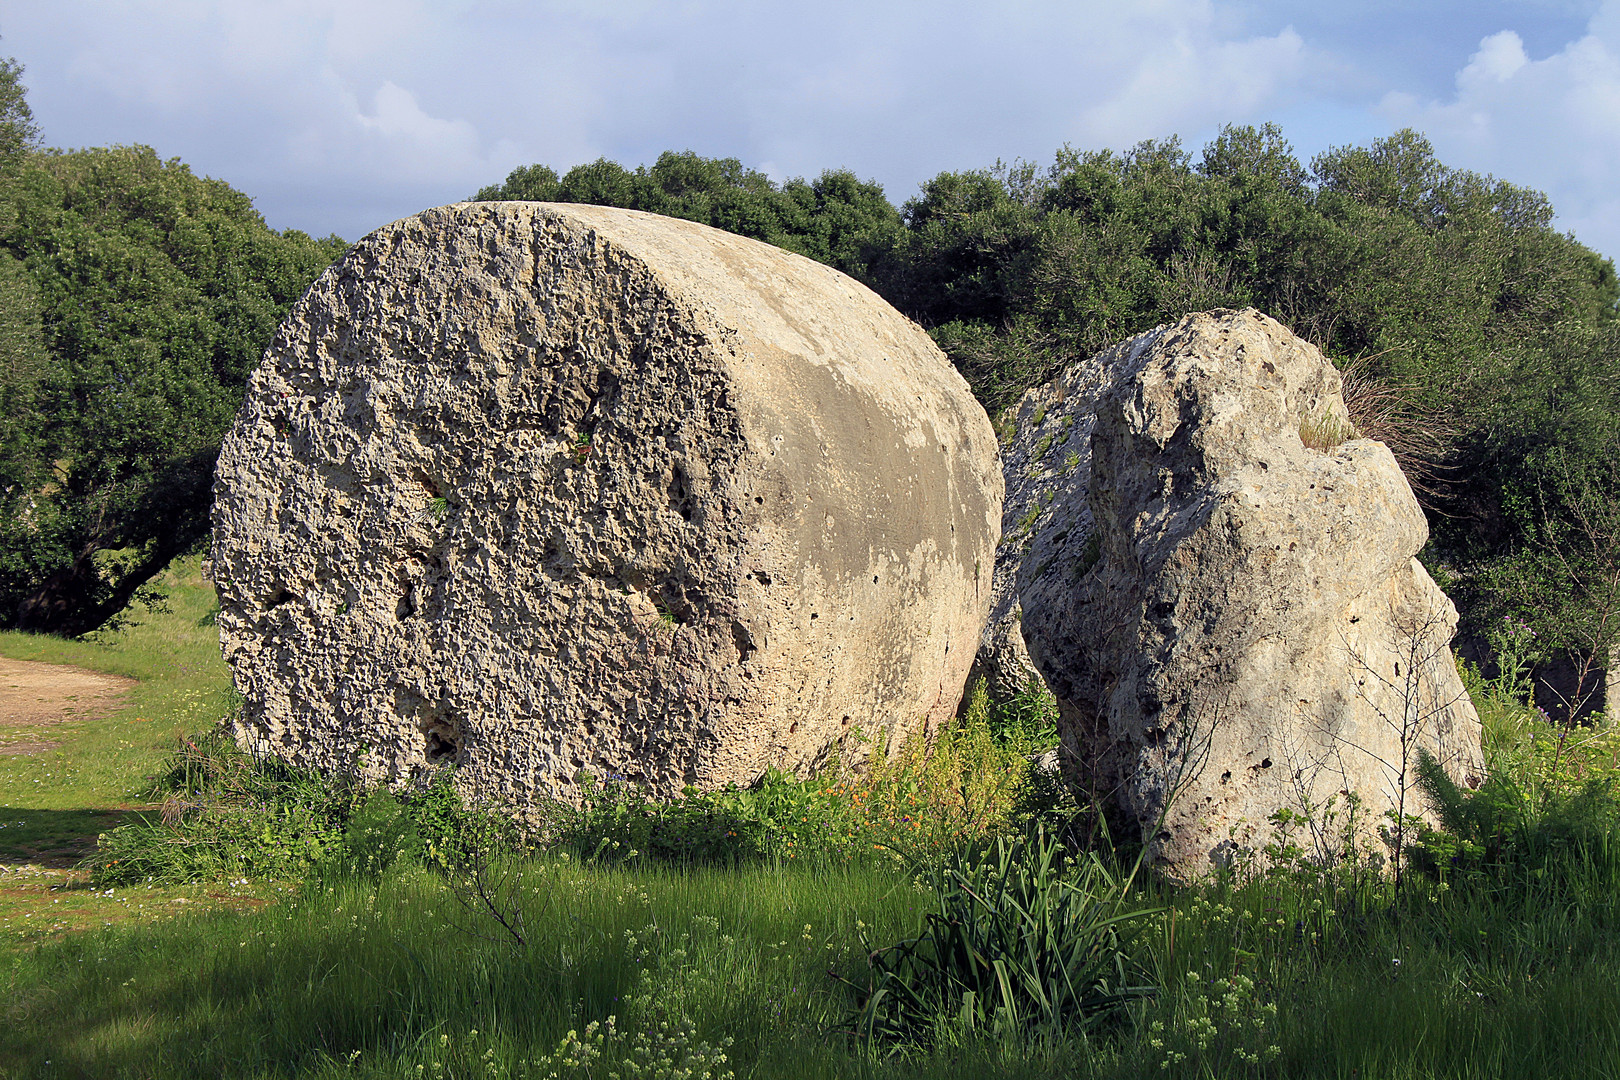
[(973, 779), (1021, 942), (226, 815)]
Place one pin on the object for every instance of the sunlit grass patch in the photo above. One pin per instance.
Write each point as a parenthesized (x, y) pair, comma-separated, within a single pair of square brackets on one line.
[(183, 688)]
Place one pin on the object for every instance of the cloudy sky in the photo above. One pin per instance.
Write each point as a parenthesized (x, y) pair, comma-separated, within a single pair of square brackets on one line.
[(341, 115)]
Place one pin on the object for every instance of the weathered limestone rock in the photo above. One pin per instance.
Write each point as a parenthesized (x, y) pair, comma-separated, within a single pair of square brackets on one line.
[(1046, 466), (546, 489), (1246, 628)]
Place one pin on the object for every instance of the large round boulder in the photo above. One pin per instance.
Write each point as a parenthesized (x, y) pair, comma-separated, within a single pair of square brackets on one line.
[(553, 490)]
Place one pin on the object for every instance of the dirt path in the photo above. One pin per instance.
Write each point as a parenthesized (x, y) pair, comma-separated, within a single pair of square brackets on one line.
[(35, 697)]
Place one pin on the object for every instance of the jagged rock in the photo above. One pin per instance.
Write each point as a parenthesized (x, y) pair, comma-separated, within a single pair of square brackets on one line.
[(1045, 465), (545, 489), (1245, 629)]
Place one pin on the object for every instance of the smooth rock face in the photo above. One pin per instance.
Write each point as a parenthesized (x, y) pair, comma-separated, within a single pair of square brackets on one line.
[(1246, 628), (546, 490)]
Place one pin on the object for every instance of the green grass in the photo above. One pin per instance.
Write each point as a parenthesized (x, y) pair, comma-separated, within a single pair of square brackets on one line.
[(183, 687), (1506, 965), (398, 971), (378, 977), (53, 804)]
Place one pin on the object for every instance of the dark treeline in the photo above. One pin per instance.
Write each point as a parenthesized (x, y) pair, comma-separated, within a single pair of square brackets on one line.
[(135, 298), (1481, 343)]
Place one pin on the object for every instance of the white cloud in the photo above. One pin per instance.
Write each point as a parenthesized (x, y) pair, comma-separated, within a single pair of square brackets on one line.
[(396, 139), (1188, 79), (1499, 58), (1551, 124), (342, 114)]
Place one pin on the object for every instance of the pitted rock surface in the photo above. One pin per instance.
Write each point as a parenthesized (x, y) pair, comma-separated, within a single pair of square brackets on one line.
[(1046, 466), (1246, 629), (553, 490)]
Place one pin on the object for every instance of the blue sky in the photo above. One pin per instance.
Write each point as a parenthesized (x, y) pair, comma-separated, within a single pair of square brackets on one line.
[(342, 115)]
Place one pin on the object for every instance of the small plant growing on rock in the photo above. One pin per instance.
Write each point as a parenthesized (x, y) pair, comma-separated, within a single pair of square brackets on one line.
[(1324, 430)]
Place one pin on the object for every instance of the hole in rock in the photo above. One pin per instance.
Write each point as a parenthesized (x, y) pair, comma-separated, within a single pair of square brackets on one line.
[(282, 597), (1226, 776), (744, 642), (1265, 763), (555, 559), (680, 493), (674, 606), (430, 487), (441, 741)]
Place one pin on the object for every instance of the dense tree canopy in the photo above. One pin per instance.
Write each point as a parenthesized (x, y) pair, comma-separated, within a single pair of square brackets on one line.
[(837, 219), (146, 296), (22, 354)]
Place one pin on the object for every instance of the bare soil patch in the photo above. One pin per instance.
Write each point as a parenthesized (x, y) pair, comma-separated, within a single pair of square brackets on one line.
[(35, 697)]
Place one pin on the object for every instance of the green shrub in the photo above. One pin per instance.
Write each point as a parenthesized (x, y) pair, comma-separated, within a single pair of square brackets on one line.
[(1545, 823), (972, 779), (1022, 942), (225, 814), (382, 831)]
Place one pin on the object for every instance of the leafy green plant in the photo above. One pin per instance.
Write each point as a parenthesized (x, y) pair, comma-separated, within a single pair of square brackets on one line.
[(381, 831), (582, 447), (1222, 1021), (1513, 644), (969, 781), (225, 813), (1025, 524), (1023, 941)]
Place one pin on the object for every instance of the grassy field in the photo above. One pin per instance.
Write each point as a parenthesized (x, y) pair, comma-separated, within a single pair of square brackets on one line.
[(392, 977), (182, 688), (54, 804), (734, 935)]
